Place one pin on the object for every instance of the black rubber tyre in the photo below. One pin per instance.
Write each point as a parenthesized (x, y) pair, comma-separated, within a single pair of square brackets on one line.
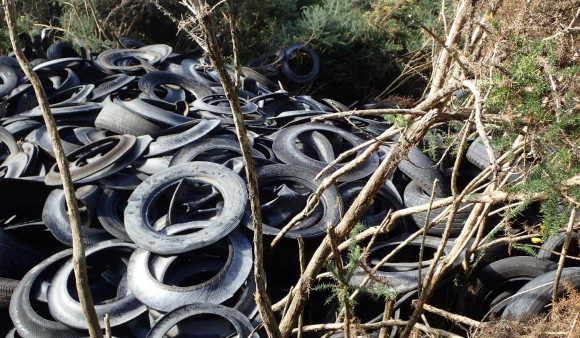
[(121, 309), (402, 276), (387, 198), (103, 153), (423, 170), (287, 151), (55, 216), (501, 279), (60, 50), (289, 186), (117, 118), (207, 324), (157, 112), (9, 79), (218, 103), (123, 59), (555, 243), (229, 262), (293, 76), (477, 154), (169, 143), (536, 295), (218, 150), (109, 85), (111, 204), (28, 320), (150, 81), (225, 181), (9, 141), (414, 196)]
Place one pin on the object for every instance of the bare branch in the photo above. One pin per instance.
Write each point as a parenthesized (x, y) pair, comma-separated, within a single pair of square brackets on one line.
[(78, 256), (563, 255)]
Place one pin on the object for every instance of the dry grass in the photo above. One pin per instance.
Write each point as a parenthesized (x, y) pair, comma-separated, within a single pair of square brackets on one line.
[(561, 321)]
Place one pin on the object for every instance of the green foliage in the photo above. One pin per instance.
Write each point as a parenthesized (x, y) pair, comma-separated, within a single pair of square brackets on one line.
[(397, 119), (355, 56), (341, 278), (356, 40), (525, 249), (80, 27), (525, 94), (381, 291)]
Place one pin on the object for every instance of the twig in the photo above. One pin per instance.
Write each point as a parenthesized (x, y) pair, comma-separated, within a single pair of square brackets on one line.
[(453, 52), (570, 27), (373, 144), (97, 21), (448, 315), (107, 326), (370, 147), (479, 125), (384, 223), (443, 63), (287, 301), (375, 326), (389, 305), (425, 226), (461, 150), (78, 257), (314, 199), (343, 293), (563, 255), (573, 328), (302, 261), (431, 277), (367, 112)]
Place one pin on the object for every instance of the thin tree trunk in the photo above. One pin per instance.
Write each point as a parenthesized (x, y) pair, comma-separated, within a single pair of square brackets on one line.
[(231, 89), (78, 256)]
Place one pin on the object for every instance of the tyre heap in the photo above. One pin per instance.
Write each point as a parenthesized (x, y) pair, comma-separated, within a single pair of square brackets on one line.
[(158, 171)]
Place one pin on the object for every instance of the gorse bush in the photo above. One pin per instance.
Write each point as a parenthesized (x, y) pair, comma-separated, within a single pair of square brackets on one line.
[(355, 56), (534, 89), (359, 42)]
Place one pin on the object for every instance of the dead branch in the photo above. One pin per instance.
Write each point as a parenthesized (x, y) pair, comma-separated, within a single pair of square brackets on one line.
[(445, 314), (443, 63), (563, 254), (78, 256), (376, 326), (425, 226), (479, 124), (411, 136), (452, 51), (201, 11)]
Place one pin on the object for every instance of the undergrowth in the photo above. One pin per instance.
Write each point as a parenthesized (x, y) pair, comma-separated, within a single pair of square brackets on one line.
[(561, 321)]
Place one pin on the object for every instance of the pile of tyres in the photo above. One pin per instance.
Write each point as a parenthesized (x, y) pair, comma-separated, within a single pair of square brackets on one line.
[(158, 172)]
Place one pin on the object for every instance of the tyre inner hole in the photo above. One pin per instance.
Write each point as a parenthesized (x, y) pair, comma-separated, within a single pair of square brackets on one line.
[(282, 200), (186, 201), (300, 62), (105, 271)]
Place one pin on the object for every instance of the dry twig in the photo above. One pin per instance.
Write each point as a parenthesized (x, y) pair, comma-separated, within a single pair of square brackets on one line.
[(78, 256)]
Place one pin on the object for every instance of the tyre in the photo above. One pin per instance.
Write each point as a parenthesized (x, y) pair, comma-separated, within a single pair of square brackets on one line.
[(202, 177), (536, 295), (501, 279), (414, 196)]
